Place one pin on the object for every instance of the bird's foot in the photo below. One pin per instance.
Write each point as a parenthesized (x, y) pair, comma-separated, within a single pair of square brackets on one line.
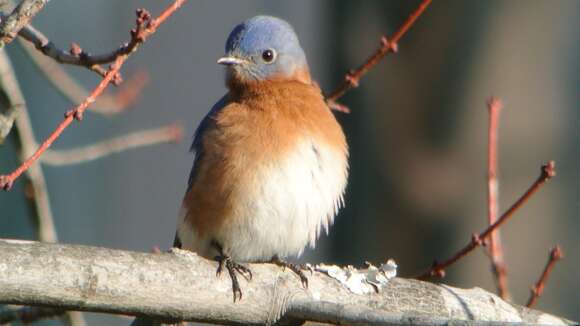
[(233, 268), (298, 269)]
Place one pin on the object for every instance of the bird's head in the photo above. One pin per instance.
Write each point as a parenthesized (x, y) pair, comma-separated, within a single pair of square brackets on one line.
[(264, 48)]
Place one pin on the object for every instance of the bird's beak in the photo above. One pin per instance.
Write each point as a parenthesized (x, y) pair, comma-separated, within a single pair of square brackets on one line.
[(230, 61)]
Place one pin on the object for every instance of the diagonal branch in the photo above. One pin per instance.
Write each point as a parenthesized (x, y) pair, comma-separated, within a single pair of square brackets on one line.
[(165, 134), (77, 56), (388, 45), (555, 255), (438, 269), (145, 27), (107, 104)]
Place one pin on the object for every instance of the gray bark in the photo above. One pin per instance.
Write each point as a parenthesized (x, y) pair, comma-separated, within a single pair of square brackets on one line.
[(179, 285), (20, 17)]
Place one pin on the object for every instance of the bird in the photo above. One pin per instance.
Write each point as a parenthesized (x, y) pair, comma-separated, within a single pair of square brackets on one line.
[(270, 163)]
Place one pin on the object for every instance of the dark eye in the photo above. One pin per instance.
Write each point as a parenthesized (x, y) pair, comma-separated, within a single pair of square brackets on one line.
[(268, 55)]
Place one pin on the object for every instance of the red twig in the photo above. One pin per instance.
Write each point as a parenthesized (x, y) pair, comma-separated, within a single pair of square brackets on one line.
[(352, 78), (495, 246), (555, 255), (145, 27), (77, 56), (438, 269), (107, 104)]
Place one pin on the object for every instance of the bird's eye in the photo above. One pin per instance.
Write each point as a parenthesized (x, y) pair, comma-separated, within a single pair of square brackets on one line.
[(269, 55)]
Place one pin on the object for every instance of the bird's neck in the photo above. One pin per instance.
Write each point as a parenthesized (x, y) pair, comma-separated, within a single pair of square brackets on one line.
[(240, 85)]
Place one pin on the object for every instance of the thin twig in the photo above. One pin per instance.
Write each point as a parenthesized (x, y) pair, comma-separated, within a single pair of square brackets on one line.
[(498, 265), (77, 56), (74, 56), (165, 134), (106, 104), (555, 255), (20, 17), (145, 27), (352, 77), (27, 315), (438, 269)]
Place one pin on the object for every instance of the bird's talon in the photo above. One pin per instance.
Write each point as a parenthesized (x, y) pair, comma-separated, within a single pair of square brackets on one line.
[(220, 268), (232, 268), (243, 270), (296, 268)]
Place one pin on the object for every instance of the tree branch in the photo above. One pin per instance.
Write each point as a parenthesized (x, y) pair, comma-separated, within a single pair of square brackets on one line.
[(20, 17), (145, 27), (352, 77), (498, 264), (438, 269), (107, 104), (142, 138), (180, 285), (77, 56), (555, 255)]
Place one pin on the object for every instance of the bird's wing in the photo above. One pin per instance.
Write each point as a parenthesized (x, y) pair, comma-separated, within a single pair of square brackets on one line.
[(196, 146)]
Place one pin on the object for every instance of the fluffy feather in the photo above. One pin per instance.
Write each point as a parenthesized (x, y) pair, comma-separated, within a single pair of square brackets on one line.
[(271, 173)]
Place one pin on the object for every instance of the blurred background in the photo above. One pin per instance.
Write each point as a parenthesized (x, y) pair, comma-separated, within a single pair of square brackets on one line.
[(417, 131)]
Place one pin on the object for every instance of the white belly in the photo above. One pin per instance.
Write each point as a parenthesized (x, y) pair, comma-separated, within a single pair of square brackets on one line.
[(283, 208)]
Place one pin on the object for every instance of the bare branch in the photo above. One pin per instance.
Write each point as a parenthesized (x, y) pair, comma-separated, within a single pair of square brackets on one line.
[(25, 140), (555, 255), (20, 17), (77, 56), (145, 27), (106, 104), (352, 77), (498, 264), (180, 285), (438, 269), (165, 134)]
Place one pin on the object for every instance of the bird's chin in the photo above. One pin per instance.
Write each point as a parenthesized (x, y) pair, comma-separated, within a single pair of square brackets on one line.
[(236, 76)]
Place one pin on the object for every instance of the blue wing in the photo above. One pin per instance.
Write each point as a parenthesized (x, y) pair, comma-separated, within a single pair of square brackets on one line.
[(197, 145)]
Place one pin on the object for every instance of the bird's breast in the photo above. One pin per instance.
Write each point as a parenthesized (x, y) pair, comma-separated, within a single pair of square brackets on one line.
[(272, 175), (285, 203)]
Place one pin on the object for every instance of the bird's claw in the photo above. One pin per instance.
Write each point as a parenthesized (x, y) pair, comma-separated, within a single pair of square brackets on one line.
[(296, 268), (233, 268)]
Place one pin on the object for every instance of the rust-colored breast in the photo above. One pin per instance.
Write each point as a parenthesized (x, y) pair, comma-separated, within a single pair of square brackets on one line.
[(262, 122)]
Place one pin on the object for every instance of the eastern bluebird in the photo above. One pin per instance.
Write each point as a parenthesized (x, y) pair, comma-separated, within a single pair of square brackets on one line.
[(270, 165)]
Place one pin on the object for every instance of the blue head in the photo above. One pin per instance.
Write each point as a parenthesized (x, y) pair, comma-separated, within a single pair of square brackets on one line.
[(264, 48)]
